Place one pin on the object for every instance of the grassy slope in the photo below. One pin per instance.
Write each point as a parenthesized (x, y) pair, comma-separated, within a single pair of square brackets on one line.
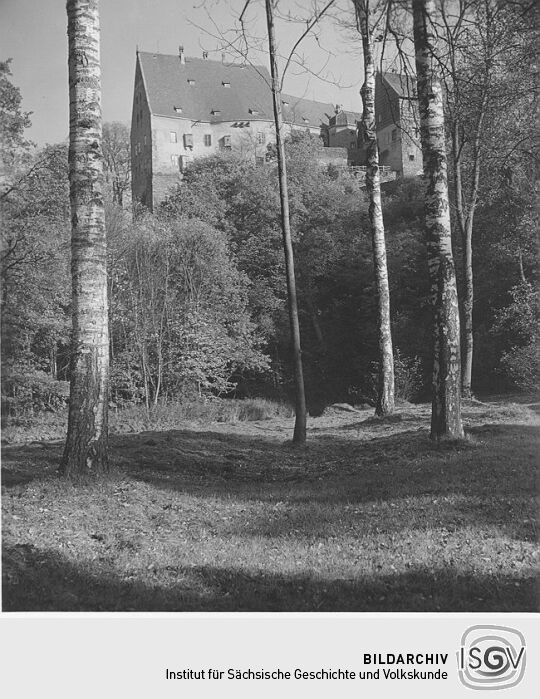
[(371, 517)]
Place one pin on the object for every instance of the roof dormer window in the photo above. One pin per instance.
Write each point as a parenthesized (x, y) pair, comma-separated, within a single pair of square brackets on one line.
[(215, 112), (191, 81), (284, 103), (178, 110), (305, 120), (253, 111), (226, 83)]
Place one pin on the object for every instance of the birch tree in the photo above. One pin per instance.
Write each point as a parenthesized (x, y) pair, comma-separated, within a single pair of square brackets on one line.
[(85, 450), (482, 39), (446, 379), (385, 389)]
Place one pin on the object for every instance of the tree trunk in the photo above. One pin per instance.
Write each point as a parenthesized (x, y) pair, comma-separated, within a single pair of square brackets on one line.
[(468, 302), (522, 277), (446, 409), (385, 391), (465, 219), (86, 444), (299, 436)]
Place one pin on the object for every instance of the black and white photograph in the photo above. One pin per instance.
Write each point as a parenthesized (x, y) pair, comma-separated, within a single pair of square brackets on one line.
[(270, 307)]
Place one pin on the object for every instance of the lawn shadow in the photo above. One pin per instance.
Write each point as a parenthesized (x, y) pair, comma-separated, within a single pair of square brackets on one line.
[(41, 580), (406, 463), (488, 480), (23, 463)]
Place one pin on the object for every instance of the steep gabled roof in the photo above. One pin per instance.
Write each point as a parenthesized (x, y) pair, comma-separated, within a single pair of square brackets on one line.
[(403, 85), (211, 91)]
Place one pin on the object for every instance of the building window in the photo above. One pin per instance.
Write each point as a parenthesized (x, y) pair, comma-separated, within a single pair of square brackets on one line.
[(259, 160), (145, 140), (394, 134), (261, 137), (175, 161), (226, 141), (207, 139), (411, 156), (173, 137), (380, 118), (188, 140)]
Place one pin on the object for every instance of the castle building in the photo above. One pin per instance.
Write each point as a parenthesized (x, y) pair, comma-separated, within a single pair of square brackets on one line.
[(186, 108), (343, 128), (398, 130)]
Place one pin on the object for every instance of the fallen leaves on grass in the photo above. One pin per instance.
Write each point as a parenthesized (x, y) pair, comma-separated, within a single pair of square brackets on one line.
[(371, 516)]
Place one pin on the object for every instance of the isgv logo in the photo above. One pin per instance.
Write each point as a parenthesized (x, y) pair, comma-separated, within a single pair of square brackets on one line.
[(491, 657)]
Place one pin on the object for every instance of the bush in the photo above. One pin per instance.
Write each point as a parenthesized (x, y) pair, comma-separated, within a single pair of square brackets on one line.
[(27, 390), (521, 366), (408, 380), (408, 377)]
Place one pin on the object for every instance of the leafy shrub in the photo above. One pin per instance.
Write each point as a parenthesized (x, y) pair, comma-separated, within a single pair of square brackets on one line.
[(517, 323), (408, 377), (408, 380), (516, 327), (521, 366), (27, 390)]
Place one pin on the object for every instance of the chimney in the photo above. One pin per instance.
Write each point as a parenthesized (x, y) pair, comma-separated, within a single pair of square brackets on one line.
[(181, 55)]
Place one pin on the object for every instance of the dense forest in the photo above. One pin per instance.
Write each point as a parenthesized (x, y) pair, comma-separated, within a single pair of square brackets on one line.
[(197, 292)]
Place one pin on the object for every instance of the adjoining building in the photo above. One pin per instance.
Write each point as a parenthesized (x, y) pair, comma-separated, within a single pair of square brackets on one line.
[(397, 125), (187, 108), (343, 128), (398, 131)]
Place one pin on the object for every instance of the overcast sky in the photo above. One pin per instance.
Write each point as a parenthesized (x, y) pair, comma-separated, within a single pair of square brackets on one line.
[(33, 33)]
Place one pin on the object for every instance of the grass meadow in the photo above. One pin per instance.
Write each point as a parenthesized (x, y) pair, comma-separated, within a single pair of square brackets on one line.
[(228, 516)]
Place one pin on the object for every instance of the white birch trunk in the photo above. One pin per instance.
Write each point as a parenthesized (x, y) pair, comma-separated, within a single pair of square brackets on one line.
[(86, 444), (446, 408), (385, 389)]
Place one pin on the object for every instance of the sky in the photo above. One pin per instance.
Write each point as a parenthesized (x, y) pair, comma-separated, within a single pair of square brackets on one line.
[(33, 34)]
